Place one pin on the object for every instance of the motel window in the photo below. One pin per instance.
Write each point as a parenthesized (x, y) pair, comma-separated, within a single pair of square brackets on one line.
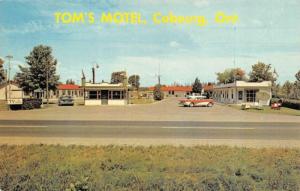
[(117, 95), (240, 95), (92, 94), (251, 95)]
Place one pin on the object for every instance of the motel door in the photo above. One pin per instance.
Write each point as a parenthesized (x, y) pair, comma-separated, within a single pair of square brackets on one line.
[(104, 97)]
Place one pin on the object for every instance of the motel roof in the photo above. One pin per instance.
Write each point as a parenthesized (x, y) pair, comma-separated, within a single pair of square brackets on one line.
[(105, 86), (244, 84), (68, 87)]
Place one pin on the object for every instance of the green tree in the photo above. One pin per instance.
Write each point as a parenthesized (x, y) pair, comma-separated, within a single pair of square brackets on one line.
[(70, 81), (2, 73), (230, 75), (297, 86), (157, 93), (287, 89), (118, 77), (197, 86), (134, 81), (297, 75), (41, 66), (262, 72), (276, 90)]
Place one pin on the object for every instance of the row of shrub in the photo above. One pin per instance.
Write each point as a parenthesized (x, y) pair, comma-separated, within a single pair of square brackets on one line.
[(293, 104), (31, 103)]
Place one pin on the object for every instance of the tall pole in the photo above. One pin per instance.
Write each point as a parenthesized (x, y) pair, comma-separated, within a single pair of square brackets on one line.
[(9, 57), (96, 66), (47, 84), (159, 73), (6, 77), (235, 84)]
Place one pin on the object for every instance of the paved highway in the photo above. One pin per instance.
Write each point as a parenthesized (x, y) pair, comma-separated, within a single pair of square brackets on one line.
[(150, 129)]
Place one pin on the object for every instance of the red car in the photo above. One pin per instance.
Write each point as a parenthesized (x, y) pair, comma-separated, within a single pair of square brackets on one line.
[(196, 101)]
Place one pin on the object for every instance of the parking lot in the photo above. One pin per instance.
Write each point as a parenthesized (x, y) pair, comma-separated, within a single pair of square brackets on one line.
[(166, 110)]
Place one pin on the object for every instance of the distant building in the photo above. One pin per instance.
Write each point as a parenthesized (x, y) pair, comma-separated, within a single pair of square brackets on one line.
[(69, 90), (241, 92), (181, 91), (7, 91), (105, 94)]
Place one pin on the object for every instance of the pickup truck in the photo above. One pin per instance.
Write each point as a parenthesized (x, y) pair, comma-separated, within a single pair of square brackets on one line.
[(198, 101)]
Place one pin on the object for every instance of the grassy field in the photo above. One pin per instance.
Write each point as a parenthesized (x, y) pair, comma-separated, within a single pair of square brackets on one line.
[(267, 109), (41, 167)]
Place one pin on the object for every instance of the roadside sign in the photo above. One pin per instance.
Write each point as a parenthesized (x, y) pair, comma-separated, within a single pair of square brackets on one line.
[(14, 101)]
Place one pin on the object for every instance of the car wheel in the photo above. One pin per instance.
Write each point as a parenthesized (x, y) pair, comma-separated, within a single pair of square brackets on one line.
[(209, 105)]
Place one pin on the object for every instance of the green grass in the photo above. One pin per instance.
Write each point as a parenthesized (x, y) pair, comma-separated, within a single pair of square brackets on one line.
[(41, 167), (267, 109)]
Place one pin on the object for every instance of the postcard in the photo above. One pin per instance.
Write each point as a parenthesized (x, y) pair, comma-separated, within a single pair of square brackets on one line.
[(149, 95)]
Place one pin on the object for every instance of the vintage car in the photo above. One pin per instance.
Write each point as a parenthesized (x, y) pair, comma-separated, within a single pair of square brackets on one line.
[(197, 101), (66, 100)]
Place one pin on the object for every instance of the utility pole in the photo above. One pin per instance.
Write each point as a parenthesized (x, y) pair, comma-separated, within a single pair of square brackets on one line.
[(6, 77), (234, 63), (158, 75), (96, 66), (9, 58), (47, 84)]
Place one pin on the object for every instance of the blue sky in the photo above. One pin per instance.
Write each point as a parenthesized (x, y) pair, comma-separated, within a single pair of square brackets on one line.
[(267, 31)]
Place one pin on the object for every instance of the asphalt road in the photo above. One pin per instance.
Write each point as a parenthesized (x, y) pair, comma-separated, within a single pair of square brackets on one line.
[(151, 129)]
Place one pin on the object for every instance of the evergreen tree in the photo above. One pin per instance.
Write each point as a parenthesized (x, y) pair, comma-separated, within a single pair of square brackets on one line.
[(197, 86)]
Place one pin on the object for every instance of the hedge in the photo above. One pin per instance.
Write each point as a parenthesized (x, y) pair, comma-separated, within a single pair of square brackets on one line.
[(293, 104), (31, 103)]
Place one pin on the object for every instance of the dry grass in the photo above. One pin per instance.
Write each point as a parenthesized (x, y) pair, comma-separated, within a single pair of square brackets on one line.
[(41, 167)]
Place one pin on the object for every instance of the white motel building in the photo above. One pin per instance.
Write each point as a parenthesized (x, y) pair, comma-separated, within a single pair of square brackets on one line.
[(241, 92), (105, 94)]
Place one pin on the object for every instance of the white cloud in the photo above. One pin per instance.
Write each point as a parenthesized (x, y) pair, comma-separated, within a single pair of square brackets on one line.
[(174, 44), (29, 27), (201, 3), (257, 23)]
